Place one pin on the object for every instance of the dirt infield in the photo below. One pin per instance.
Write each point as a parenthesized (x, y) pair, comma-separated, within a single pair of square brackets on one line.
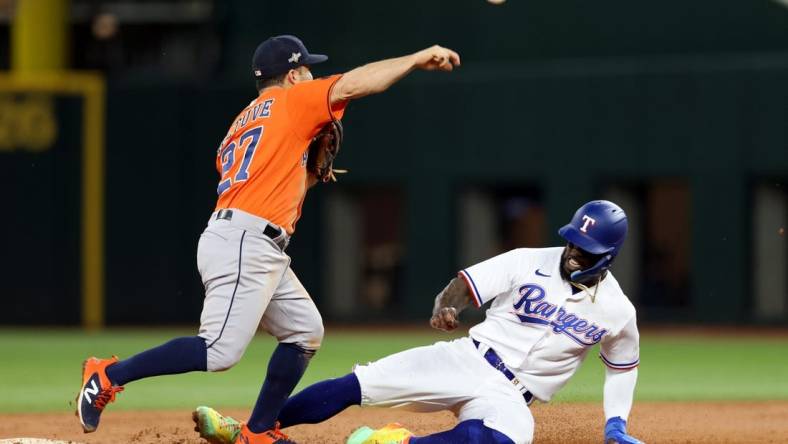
[(723, 422)]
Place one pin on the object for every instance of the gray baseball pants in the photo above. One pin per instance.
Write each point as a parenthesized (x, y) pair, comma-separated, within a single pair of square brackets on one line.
[(248, 282)]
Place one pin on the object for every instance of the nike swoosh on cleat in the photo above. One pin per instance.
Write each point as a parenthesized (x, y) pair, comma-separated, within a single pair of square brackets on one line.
[(539, 273)]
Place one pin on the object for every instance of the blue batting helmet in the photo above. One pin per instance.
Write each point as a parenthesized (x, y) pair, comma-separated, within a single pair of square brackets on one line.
[(598, 227)]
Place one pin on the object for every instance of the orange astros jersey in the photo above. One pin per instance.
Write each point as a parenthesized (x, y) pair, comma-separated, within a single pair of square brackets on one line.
[(262, 159)]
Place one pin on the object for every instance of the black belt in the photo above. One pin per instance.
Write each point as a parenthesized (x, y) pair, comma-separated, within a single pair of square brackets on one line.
[(492, 357), (270, 230)]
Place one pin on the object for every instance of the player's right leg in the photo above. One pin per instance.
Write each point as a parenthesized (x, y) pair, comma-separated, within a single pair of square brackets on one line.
[(429, 378), (240, 268), (422, 379), (102, 379)]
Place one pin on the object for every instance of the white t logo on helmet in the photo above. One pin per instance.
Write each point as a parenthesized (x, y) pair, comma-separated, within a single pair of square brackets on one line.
[(294, 58), (587, 223)]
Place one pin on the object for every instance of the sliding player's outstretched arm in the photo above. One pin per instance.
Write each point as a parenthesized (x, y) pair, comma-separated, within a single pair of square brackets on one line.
[(621, 355)]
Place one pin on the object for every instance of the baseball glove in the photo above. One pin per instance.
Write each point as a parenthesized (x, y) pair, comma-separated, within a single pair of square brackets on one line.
[(323, 150)]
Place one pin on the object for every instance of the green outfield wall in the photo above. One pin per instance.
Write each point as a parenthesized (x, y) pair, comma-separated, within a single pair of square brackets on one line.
[(566, 98)]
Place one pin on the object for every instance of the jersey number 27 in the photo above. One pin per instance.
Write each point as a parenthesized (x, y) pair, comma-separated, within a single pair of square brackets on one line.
[(227, 157)]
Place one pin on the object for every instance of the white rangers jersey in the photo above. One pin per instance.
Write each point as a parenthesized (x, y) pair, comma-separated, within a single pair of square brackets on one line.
[(540, 327)]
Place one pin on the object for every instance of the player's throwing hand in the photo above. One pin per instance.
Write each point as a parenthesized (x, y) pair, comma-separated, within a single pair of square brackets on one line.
[(437, 58)]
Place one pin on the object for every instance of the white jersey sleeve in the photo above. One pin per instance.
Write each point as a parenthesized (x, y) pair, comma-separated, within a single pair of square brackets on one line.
[(621, 351), (495, 276), (618, 392)]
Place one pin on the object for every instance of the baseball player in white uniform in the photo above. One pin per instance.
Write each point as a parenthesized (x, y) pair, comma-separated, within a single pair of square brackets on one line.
[(549, 306)]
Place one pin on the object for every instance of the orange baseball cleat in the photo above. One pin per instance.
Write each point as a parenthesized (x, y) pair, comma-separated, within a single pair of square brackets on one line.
[(96, 392), (273, 436)]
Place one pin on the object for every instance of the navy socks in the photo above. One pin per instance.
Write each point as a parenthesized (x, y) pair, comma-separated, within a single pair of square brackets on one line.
[(285, 369), (321, 401), (181, 355), (466, 432)]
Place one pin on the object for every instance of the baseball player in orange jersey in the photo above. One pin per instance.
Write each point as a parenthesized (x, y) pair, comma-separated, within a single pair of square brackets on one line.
[(241, 254)]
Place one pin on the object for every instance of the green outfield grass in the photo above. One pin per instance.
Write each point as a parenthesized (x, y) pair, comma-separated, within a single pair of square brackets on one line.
[(40, 370)]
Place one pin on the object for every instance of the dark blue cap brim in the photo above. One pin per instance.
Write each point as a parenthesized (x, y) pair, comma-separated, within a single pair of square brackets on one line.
[(311, 59), (586, 243)]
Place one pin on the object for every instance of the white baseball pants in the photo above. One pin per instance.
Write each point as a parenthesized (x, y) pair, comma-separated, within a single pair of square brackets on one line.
[(448, 376)]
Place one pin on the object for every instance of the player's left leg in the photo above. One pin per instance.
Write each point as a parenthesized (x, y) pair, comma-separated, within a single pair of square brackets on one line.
[(490, 410), (471, 431), (505, 422), (241, 269), (498, 410), (294, 320)]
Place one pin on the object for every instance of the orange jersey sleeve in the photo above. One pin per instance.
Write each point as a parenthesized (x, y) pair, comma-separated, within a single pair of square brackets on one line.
[(262, 159), (308, 104)]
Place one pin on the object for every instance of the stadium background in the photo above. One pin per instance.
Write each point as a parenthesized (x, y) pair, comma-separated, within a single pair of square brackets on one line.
[(111, 111)]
